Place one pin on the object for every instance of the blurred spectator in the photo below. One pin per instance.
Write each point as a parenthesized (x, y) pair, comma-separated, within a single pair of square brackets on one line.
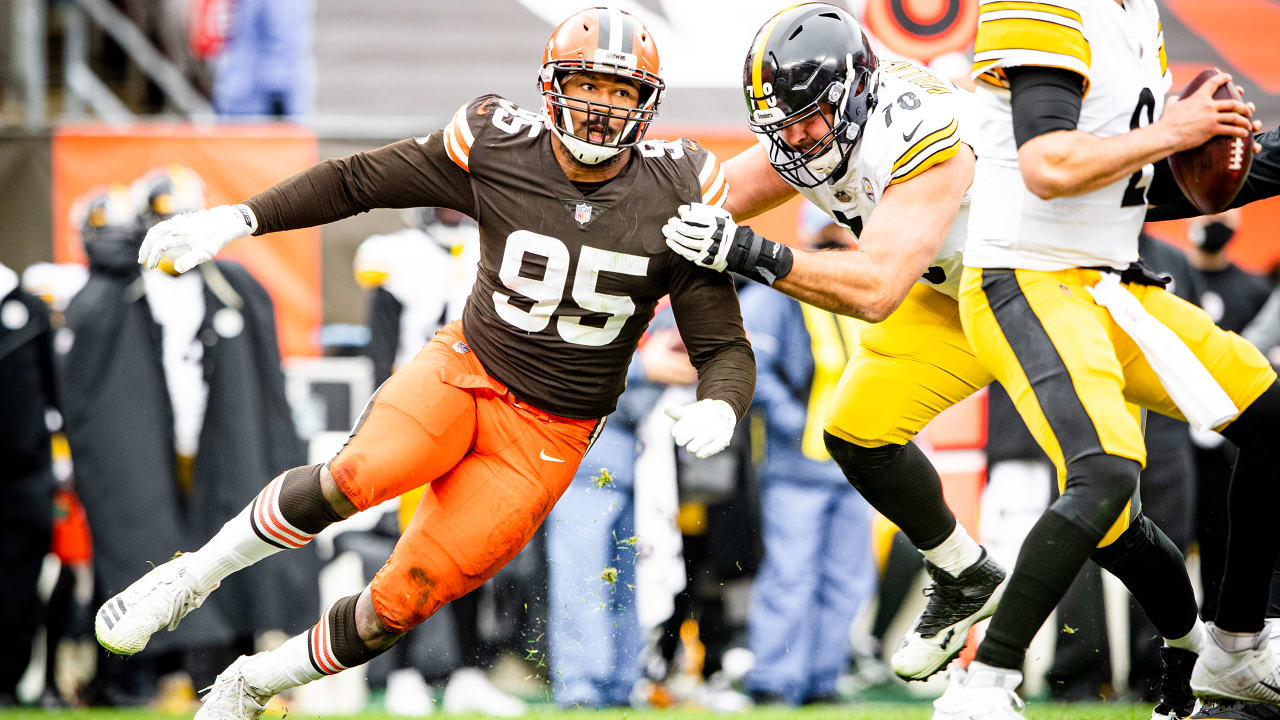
[(170, 25), (419, 278), (1232, 297), (817, 569), (595, 641), (266, 67), (1264, 330), (28, 395), (183, 371)]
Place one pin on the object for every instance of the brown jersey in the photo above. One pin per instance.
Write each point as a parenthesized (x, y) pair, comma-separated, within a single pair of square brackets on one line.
[(567, 284)]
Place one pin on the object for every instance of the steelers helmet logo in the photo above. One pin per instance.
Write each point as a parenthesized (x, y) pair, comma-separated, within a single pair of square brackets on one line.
[(923, 29)]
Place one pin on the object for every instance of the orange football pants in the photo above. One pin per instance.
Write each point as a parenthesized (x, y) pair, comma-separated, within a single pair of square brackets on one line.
[(493, 467)]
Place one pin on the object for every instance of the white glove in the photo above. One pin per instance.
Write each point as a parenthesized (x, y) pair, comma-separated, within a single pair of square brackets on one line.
[(195, 237), (703, 428), (702, 234)]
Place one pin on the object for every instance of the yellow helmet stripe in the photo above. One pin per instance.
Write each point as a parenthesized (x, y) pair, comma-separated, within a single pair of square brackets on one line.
[(757, 57)]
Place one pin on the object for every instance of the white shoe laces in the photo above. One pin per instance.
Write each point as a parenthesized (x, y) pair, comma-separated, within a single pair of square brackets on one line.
[(247, 706), (183, 602)]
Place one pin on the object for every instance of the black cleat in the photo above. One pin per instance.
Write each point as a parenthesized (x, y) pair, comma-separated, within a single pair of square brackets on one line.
[(1176, 700), (955, 604), (1237, 710)]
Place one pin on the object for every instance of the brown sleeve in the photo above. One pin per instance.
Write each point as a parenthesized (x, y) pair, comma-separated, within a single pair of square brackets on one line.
[(705, 306), (404, 174)]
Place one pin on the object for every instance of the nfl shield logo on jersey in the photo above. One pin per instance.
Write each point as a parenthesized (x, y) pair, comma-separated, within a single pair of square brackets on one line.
[(582, 213)]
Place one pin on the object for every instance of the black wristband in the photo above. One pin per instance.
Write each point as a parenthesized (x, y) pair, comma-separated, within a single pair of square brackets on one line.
[(757, 257)]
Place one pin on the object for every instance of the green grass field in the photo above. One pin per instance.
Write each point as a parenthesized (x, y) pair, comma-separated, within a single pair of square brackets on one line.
[(865, 711)]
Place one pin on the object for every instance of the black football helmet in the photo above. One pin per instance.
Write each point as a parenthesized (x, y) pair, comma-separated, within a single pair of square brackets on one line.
[(109, 228), (805, 59)]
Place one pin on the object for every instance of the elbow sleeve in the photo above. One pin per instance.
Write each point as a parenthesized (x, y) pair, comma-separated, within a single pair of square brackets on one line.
[(1044, 100)]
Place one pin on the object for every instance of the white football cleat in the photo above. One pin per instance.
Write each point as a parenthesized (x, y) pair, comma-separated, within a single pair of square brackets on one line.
[(231, 697), (1251, 674), (157, 600), (980, 693), (469, 691)]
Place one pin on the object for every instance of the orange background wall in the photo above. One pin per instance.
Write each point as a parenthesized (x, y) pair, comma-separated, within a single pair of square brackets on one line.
[(235, 163)]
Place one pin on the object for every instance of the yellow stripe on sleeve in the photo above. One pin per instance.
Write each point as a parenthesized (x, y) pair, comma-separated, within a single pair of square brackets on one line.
[(924, 143), (941, 156), (1026, 34), (1164, 59), (1020, 6), (1009, 41)]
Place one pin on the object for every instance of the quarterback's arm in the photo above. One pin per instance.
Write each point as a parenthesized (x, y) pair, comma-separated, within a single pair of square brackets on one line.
[(1168, 203), (899, 242), (754, 186), (1070, 162)]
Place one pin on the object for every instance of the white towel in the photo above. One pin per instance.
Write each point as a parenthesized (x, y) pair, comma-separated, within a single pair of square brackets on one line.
[(660, 572), (1201, 399)]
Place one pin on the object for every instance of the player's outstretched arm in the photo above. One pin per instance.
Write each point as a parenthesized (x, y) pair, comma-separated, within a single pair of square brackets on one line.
[(1070, 162), (411, 173), (707, 316), (754, 186), (1168, 203), (896, 247)]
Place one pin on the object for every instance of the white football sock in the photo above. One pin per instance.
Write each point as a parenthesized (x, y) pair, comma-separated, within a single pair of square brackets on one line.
[(955, 554), (1234, 641), (287, 666), (1191, 641), (260, 530)]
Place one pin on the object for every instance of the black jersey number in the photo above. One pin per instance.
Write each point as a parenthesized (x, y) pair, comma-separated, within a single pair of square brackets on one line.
[(543, 295), (1135, 193), (906, 101)]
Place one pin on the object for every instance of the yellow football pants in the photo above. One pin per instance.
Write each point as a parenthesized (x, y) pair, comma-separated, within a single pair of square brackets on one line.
[(1071, 371)]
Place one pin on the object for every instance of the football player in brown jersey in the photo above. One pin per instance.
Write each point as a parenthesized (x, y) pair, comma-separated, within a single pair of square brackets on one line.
[(496, 411)]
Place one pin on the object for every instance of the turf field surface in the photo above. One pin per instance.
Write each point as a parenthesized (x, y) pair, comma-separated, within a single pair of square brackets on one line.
[(864, 711)]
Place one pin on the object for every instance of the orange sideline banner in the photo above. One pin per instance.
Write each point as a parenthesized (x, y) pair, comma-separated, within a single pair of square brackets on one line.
[(235, 162)]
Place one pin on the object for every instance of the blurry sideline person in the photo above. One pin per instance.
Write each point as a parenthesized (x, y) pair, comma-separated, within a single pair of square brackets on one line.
[(184, 371), (495, 413), (817, 570), (267, 66), (1233, 298), (595, 643), (418, 280), (28, 397)]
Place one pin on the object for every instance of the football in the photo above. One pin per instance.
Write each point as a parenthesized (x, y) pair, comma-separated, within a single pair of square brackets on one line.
[(1211, 175)]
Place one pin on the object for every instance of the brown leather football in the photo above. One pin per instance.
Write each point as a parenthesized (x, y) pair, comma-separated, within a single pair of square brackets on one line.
[(1211, 175)]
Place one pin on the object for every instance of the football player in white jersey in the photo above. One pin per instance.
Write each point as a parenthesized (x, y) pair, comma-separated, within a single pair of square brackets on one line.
[(885, 149), (1056, 305)]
